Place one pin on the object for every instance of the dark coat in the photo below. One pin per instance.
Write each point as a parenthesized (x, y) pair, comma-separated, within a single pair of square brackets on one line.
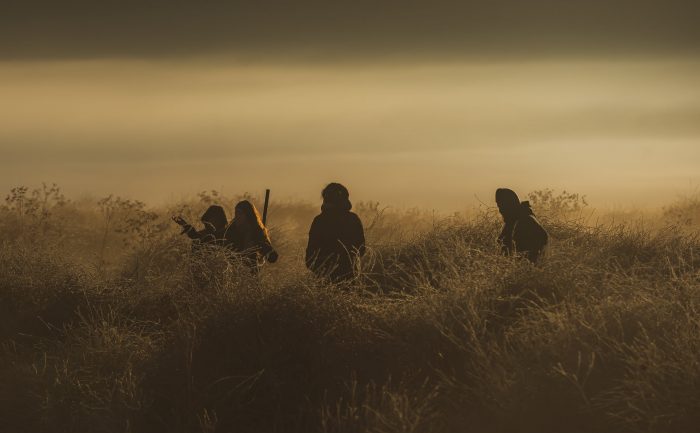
[(523, 234), (206, 236), (252, 245), (336, 240), (215, 222)]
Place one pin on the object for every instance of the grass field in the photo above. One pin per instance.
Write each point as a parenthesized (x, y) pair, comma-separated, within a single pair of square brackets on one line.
[(109, 323)]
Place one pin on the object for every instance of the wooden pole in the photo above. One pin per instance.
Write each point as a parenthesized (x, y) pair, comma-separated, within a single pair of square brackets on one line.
[(267, 202)]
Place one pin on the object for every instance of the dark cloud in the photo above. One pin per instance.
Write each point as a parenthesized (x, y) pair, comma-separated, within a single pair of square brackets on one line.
[(282, 29)]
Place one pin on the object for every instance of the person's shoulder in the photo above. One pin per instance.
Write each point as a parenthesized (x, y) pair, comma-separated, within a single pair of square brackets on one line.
[(353, 218), (356, 217), (318, 220)]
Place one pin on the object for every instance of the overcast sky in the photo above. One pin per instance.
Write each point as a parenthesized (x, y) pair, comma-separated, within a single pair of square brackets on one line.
[(413, 103), (272, 29)]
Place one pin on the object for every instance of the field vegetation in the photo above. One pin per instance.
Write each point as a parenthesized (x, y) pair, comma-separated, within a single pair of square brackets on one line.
[(110, 323)]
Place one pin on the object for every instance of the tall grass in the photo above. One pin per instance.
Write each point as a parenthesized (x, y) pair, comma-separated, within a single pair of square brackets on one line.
[(133, 332)]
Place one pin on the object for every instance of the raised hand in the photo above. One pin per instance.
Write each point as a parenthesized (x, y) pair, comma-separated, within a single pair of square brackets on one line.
[(179, 220)]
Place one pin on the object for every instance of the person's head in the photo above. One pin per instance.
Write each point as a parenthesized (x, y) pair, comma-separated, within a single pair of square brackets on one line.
[(507, 201), (215, 217), (336, 197), (246, 215)]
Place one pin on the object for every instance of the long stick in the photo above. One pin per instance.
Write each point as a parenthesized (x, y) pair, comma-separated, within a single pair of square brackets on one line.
[(267, 201)]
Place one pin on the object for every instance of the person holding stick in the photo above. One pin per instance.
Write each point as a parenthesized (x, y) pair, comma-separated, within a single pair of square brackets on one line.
[(247, 235)]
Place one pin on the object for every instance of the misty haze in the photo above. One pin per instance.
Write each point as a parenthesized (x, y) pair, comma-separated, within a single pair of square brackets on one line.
[(623, 132), (380, 216)]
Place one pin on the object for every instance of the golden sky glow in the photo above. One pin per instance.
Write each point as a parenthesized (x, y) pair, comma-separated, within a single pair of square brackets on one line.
[(434, 134)]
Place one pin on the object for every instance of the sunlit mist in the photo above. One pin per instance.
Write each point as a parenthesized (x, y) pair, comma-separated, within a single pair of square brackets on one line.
[(430, 134)]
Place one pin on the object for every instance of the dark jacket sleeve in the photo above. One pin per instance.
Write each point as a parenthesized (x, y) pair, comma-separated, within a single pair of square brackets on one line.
[(266, 249), (529, 234), (265, 246), (313, 247), (231, 238), (506, 238), (358, 236), (192, 233)]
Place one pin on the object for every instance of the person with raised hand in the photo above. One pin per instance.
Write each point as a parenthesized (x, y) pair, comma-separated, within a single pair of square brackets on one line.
[(215, 222)]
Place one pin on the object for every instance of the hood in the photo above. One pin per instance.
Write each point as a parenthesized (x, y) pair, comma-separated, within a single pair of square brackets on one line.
[(341, 206)]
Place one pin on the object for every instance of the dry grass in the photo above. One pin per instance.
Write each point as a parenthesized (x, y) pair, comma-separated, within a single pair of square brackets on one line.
[(110, 328)]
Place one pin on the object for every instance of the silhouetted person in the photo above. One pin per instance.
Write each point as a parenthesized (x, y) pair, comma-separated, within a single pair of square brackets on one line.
[(215, 222), (336, 236), (248, 236), (521, 233)]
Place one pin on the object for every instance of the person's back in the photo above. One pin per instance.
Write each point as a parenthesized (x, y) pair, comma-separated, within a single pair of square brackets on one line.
[(246, 235), (521, 233), (336, 237), (529, 237)]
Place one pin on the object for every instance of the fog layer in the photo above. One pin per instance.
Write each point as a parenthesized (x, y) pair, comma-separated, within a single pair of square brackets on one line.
[(433, 133)]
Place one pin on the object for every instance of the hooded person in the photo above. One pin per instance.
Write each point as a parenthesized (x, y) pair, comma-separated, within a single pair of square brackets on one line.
[(247, 235), (204, 268), (336, 236), (215, 222), (521, 233)]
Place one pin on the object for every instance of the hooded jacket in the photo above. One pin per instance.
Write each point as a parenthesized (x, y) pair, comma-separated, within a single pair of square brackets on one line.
[(521, 233), (336, 240), (529, 237), (214, 220)]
